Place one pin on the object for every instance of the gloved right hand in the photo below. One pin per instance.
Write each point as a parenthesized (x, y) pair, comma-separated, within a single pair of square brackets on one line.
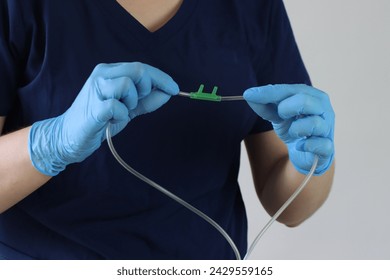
[(114, 93), (303, 118)]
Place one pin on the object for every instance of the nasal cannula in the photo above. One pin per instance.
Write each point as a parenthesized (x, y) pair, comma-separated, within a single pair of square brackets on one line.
[(200, 95)]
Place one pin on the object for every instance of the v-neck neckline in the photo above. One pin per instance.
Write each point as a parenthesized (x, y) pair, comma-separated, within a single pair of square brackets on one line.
[(139, 31)]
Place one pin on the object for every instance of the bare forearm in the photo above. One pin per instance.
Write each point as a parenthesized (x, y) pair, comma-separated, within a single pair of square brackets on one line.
[(283, 181), (18, 178)]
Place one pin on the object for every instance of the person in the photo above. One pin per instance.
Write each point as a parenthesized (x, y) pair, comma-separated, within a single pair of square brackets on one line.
[(70, 68)]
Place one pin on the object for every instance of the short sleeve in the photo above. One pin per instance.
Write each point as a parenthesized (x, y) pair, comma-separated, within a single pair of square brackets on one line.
[(260, 126), (277, 59), (8, 61), (280, 61)]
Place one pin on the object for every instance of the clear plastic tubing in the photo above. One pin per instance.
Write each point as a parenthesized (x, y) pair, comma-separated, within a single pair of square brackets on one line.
[(223, 98), (284, 206), (200, 213), (171, 195)]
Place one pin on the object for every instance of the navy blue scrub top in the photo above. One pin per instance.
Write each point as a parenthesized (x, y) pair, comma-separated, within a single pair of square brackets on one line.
[(95, 209)]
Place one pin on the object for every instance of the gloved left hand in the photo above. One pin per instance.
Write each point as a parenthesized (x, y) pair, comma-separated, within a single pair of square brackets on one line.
[(113, 94), (302, 117)]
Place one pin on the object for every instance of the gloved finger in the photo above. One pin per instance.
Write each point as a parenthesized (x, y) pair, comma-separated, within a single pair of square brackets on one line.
[(321, 146), (300, 104), (111, 110), (279, 92), (140, 74), (115, 128), (144, 85), (162, 81), (268, 112), (309, 126), (268, 94), (302, 161), (121, 88), (150, 103)]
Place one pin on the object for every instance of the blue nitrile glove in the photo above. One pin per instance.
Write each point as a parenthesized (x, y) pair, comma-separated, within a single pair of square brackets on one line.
[(302, 116), (114, 93)]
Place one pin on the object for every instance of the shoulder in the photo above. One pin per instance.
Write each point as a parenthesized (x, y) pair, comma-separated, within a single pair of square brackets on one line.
[(20, 20), (250, 16), (246, 9), (255, 7), (20, 7), (254, 15), (27, 10), (16, 15)]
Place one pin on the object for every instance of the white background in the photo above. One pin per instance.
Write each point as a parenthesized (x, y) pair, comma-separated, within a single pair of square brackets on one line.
[(346, 48)]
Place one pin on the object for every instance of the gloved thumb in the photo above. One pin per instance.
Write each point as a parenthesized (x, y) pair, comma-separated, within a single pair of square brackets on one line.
[(267, 111)]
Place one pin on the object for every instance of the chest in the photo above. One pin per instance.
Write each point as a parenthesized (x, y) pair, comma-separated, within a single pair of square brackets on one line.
[(191, 47)]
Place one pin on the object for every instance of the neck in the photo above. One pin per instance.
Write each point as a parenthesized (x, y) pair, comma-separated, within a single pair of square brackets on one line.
[(152, 14)]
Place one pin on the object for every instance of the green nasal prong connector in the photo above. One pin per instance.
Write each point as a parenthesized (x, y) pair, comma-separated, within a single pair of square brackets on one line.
[(200, 95)]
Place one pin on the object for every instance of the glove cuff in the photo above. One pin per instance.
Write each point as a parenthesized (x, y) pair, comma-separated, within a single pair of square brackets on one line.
[(41, 147)]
